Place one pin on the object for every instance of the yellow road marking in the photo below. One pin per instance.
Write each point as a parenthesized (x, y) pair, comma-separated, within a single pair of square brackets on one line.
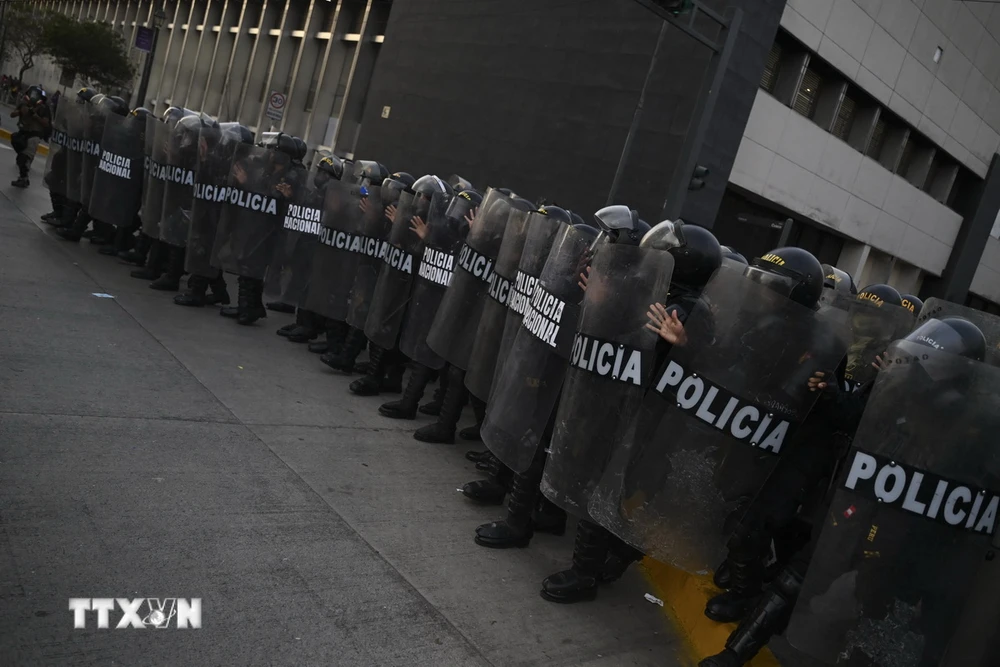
[(684, 596)]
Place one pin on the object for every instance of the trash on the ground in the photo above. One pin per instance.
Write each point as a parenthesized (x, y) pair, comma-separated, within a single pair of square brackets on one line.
[(102, 295), (240, 367), (652, 598)]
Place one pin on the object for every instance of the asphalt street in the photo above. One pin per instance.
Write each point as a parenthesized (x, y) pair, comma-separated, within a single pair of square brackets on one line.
[(149, 450)]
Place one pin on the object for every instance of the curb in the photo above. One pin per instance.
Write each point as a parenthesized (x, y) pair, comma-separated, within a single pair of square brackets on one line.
[(42, 149), (684, 596)]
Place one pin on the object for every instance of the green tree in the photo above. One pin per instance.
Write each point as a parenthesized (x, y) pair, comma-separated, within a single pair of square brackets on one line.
[(24, 36), (95, 51)]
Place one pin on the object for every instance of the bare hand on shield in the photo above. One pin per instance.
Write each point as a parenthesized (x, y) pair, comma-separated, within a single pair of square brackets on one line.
[(363, 205), (418, 227), (817, 381), (666, 324), (584, 279), (284, 188), (470, 217), (878, 364), (390, 212), (239, 173)]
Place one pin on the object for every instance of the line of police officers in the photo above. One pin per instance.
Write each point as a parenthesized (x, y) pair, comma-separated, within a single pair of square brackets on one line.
[(828, 454)]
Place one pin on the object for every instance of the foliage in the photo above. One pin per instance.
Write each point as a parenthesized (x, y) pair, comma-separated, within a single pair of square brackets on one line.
[(24, 35), (95, 51)]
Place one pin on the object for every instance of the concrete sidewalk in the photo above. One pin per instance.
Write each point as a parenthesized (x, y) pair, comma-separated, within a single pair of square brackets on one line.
[(152, 450)]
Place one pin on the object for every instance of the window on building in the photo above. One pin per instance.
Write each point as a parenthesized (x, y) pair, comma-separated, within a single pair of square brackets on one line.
[(877, 140), (845, 117), (805, 99), (770, 76), (906, 159)]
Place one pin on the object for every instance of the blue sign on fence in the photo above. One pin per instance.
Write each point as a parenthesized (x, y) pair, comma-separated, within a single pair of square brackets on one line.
[(144, 39)]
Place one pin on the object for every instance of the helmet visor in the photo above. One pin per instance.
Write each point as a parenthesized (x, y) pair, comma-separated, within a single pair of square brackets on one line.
[(776, 283)]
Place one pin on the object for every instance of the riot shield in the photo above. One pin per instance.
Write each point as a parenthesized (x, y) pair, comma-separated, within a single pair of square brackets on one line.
[(612, 362), (55, 163), (911, 519), (873, 328), (157, 138), (217, 145), (96, 117), (528, 385), (538, 242), (437, 264), (402, 260), (76, 129), (336, 255), (374, 232), (988, 324), (117, 190), (454, 329), (486, 344), (714, 420), (291, 268), (179, 167), (261, 182)]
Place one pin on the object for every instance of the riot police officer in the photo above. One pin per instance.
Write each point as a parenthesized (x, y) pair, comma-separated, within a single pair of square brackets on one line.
[(34, 123)]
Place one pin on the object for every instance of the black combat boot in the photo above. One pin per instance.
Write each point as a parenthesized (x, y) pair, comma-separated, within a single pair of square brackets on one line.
[(549, 518), (58, 202), (472, 432), (518, 528), (345, 347), (371, 384), (195, 295), (746, 577), (75, 231), (434, 407), (300, 316), (579, 583), (139, 252), (767, 618), (493, 489), (443, 430), (24, 170), (308, 328), (155, 262), (477, 457), (254, 308), (123, 237), (170, 280), (279, 307), (723, 576), (219, 295), (104, 234), (406, 407), (395, 367)]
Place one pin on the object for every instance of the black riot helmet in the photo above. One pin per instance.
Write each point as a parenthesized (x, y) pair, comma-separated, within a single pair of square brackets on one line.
[(557, 214), (369, 172), (731, 253), (175, 114), (301, 148), (188, 129), (110, 105), (394, 185), (593, 233), (880, 294), (621, 224), (279, 141), (954, 335), (85, 94), (429, 185), (793, 272), (506, 191), (34, 95), (912, 303), (463, 202), (119, 106), (521, 203), (241, 131), (697, 253), (332, 165), (141, 112), (577, 219), (458, 184), (837, 280), (97, 99)]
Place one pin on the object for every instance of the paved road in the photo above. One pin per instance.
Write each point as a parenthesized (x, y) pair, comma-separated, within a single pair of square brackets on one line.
[(152, 450)]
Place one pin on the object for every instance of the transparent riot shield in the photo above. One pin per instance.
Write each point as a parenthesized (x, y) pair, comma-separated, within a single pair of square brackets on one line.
[(402, 261), (217, 146), (988, 324), (117, 191), (612, 362), (375, 233), (96, 117), (437, 265), (909, 527), (714, 420), (157, 139), (76, 129), (336, 255), (527, 387), (873, 328), (537, 245), (179, 168), (291, 268), (454, 329), (483, 359), (55, 163), (261, 183)]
